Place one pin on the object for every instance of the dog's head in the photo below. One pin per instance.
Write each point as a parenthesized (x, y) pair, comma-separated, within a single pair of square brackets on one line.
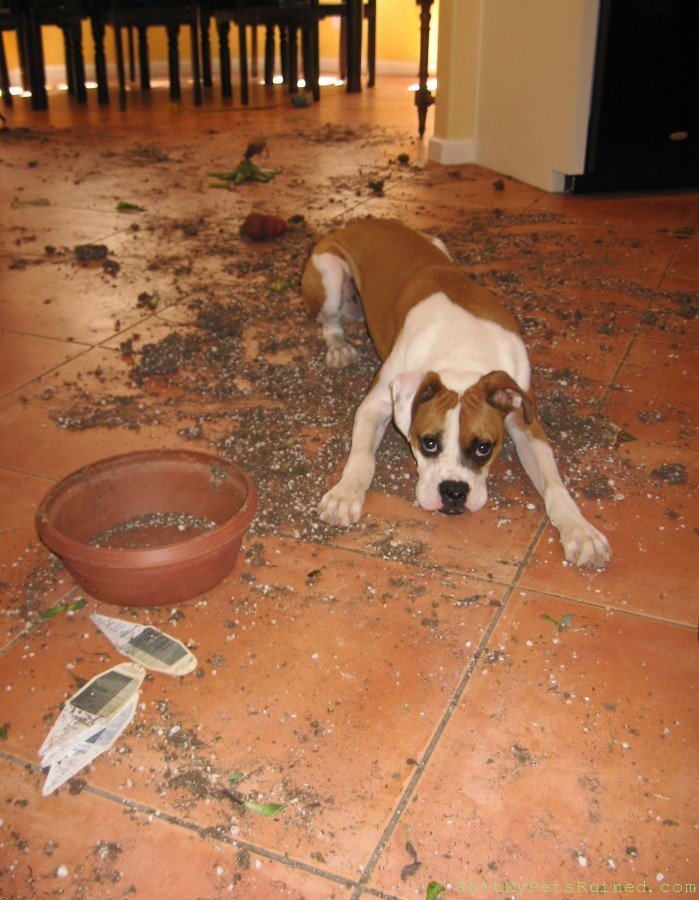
[(455, 428)]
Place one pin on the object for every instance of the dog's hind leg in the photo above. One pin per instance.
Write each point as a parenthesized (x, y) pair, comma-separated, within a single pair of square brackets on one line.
[(330, 296)]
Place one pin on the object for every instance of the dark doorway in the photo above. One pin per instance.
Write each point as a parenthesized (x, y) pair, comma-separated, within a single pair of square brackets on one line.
[(644, 123)]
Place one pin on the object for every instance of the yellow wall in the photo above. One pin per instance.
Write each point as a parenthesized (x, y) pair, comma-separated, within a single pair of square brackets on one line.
[(515, 83), (398, 38)]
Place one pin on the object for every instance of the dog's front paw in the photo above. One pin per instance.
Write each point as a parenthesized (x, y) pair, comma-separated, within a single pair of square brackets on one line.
[(585, 546), (340, 355), (342, 505)]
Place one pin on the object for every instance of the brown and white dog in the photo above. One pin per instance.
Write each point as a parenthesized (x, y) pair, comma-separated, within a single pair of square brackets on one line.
[(455, 373)]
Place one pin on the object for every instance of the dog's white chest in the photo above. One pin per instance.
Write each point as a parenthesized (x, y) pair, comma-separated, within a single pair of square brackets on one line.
[(438, 334)]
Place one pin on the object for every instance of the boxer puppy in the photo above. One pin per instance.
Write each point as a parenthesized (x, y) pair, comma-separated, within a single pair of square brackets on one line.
[(454, 375)]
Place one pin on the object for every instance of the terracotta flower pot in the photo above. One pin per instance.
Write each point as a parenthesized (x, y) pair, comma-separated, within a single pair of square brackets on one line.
[(149, 528)]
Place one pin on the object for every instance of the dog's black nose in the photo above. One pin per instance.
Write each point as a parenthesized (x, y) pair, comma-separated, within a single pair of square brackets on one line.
[(453, 494)]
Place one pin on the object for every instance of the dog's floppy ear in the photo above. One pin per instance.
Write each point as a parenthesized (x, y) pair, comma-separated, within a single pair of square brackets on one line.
[(503, 392), (403, 390)]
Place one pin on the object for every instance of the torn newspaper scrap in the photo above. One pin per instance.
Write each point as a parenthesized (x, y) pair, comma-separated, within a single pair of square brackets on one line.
[(147, 646), (91, 709), (83, 753)]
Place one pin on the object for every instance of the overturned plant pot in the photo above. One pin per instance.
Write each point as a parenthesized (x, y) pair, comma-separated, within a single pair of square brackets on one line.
[(149, 528)]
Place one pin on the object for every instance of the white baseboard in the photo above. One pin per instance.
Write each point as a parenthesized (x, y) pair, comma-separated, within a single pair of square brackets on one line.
[(451, 152)]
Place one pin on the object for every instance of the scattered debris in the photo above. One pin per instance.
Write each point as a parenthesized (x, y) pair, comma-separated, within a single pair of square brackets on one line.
[(254, 148), (89, 253), (124, 206), (412, 868), (246, 170), (302, 99), (148, 301), (259, 227), (671, 473)]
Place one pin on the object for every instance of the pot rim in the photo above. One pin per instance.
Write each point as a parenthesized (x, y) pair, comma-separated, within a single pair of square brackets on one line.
[(166, 554)]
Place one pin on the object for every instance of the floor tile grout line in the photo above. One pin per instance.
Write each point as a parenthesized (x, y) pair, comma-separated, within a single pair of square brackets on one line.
[(86, 349), (606, 607), (200, 830), (24, 473), (21, 332), (360, 551), (637, 330), (444, 720), (675, 252)]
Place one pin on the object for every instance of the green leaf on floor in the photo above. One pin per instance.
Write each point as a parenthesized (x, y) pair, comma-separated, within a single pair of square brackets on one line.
[(236, 777), (434, 889), (59, 607), (4, 731), (76, 604), (264, 809), (125, 206), (51, 611), (246, 171), (561, 624)]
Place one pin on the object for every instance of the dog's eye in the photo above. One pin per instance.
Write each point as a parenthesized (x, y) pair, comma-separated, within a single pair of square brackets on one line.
[(482, 450), (429, 444)]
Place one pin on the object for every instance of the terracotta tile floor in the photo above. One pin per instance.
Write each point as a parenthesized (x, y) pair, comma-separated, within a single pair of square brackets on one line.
[(401, 686)]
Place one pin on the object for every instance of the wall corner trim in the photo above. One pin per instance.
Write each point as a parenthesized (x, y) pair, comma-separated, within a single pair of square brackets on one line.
[(450, 152)]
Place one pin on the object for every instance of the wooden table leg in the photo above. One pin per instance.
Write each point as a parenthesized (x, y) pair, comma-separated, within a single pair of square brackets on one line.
[(423, 97), (354, 46)]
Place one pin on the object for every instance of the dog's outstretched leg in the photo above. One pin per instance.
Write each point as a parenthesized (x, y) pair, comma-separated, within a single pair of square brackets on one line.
[(583, 544), (330, 297), (342, 505)]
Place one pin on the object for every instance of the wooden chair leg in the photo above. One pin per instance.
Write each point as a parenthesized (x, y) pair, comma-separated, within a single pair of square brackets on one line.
[(253, 47), (343, 49), (243, 57), (68, 59), (79, 64), (144, 58), (121, 73), (293, 60), (4, 76), (284, 53), (205, 24), (269, 54), (173, 56), (75, 62), (196, 73), (354, 49), (371, 44), (223, 28), (100, 60), (132, 54), (310, 61), (35, 60)]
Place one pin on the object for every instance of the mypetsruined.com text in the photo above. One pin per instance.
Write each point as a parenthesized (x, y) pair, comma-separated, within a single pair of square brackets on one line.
[(575, 888)]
